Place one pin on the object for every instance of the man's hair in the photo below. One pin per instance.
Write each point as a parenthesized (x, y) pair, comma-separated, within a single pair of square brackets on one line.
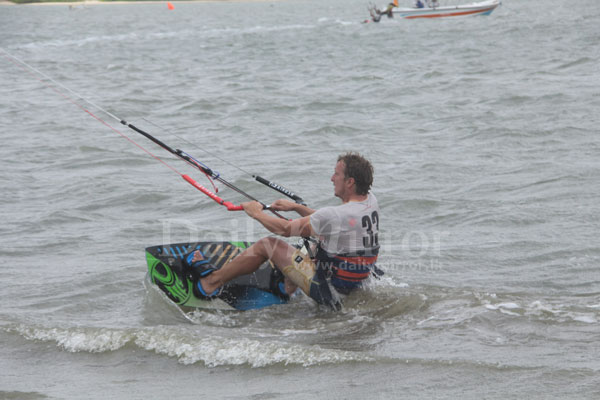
[(360, 169)]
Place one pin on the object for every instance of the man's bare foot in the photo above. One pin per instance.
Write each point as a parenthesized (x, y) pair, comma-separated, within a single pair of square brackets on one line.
[(208, 287), (198, 256)]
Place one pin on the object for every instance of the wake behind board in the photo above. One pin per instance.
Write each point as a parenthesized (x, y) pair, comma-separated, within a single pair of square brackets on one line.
[(167, 271)]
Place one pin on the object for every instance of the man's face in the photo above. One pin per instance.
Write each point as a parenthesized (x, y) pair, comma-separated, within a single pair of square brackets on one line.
[(339, 179)]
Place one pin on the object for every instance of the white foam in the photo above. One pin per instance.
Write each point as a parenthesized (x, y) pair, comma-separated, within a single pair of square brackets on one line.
[(561, 312), (426, 320), (213, 351), (503, 311), (539, 306), (297, 332), (81, 41), (501, 306), (387, 280), (92, 340), (187, 347), (587, 318)]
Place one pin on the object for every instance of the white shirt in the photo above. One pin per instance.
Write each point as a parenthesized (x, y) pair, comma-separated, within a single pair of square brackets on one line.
[(348, 228)]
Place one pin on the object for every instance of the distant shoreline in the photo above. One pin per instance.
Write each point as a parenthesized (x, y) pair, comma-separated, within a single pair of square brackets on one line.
[(96, 2)]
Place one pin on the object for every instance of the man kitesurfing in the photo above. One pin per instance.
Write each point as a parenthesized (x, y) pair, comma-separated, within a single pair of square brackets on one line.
[(347, 235), (347, 241)]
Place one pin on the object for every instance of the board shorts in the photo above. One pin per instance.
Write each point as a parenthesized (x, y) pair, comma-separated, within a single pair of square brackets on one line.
[(313, 282)]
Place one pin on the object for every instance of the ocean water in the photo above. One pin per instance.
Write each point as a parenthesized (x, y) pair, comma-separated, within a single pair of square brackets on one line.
[(484, 137)]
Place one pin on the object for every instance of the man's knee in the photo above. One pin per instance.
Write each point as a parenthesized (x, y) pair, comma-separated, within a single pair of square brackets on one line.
[(276, 250), (269, 245)]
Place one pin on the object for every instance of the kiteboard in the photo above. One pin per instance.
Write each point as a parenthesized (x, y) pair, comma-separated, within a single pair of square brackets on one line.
[(171, 275)]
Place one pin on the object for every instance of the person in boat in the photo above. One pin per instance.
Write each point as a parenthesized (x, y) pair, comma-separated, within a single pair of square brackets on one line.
[(419, 4), (347, 241), (388, 10)]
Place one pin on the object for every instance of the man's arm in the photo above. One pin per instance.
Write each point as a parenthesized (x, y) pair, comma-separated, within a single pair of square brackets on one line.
[(286, 205), (298, 227)]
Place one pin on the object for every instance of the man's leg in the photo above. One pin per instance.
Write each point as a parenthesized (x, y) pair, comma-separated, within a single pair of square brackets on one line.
[(250, 260), (299, 270)]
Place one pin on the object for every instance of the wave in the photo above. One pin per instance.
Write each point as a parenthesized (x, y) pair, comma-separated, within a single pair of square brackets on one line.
[(187, 347), (80, 42), (22, 395), (377, 325), (544, 311), (212, 33)]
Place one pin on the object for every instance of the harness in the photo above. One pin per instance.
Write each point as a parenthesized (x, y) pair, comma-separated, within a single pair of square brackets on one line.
[(347, 271)]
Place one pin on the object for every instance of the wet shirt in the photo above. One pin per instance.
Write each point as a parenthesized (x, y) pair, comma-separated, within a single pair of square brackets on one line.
[(349, 228), (348, 241)]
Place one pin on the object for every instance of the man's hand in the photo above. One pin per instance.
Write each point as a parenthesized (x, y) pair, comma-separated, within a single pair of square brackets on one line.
[(252, 208)]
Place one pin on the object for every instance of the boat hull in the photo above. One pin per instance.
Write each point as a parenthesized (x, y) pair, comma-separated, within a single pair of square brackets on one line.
[(481, 8)]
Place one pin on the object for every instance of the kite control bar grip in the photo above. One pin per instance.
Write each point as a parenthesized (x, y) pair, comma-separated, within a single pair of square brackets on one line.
[(230, 206), (280, 189)]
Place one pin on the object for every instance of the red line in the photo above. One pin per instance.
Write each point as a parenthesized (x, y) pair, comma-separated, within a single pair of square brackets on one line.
[(455, 14), (230, 206), (69, 99)]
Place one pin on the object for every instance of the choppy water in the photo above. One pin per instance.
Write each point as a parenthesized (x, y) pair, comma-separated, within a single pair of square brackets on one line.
[(484, 137)]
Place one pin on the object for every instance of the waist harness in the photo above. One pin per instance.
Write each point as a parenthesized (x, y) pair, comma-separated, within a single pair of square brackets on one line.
[(347, 271)]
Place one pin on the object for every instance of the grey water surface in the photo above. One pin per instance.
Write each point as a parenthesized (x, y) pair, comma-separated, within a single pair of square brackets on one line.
[(484, 136)]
